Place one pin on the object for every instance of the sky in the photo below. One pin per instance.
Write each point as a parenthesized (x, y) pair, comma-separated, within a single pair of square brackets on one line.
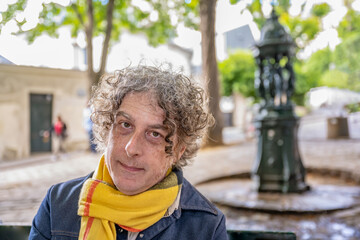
[(59, 53)]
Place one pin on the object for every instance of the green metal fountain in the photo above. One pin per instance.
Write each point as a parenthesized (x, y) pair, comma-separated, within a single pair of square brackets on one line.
[(278, 166)]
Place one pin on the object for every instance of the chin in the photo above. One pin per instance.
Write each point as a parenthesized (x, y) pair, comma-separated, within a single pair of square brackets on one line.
[(131, 192), (128, 189)]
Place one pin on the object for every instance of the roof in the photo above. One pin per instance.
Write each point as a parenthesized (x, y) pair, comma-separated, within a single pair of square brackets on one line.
[(5, 61), (240, 37)]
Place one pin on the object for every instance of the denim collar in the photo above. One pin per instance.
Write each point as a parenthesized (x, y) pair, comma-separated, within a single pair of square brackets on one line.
[(191, 201)]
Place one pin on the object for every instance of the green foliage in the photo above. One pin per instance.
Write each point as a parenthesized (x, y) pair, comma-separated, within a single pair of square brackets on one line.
[(302, 30), (321, 10), (48, 25), (354, 107), (255, 9), (237, 74), (127, 16), (347, 60), (309, 72), (285, 4), (347, 53), (334, 78), (347, 56), (350, 24), (338, 69), (234, 1), (11, 12), (319, 62), (301, 83)]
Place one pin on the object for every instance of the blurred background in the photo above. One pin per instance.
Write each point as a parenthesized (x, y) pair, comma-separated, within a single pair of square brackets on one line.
[(53, 51), (47, 65)]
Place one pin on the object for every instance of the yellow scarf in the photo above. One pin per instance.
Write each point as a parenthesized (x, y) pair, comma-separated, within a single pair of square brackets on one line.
[(101, 205)]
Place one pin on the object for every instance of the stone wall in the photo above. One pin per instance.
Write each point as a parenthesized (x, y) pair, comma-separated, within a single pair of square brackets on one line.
[(69, 91)]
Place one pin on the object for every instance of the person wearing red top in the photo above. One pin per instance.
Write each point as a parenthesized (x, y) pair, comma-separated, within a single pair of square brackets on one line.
[(59, 130)]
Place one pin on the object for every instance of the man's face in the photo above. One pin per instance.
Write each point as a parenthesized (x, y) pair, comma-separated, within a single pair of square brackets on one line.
[(135, 154)]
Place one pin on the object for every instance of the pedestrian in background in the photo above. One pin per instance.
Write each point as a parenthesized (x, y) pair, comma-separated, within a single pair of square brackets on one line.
[(88, 126), (59, 130), (148, 122)]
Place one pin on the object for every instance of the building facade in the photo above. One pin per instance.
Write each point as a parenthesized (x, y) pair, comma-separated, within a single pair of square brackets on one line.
[(30, 100)]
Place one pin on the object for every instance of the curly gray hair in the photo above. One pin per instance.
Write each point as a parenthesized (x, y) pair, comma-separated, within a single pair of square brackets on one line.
[(183, 101)]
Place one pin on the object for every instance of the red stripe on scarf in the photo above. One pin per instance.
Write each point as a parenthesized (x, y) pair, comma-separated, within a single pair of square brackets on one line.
[(129, 229), (89, 197), (88, 227)]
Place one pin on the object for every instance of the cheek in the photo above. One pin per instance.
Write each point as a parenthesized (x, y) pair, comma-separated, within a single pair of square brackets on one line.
[(109, 147), (114, 145), (158, 158), (168, 162)]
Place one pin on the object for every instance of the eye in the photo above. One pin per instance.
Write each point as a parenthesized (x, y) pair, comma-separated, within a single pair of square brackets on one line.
[(155, 134), (125, 125)]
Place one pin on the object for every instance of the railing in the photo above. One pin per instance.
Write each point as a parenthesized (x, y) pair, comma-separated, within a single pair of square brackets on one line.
[(14, 232), (21, 232), (260, 235)]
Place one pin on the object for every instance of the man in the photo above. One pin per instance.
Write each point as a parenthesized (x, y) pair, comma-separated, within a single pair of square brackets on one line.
[(148, 122)]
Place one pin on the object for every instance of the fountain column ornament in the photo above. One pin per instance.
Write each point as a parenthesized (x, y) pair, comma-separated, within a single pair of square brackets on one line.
[(278, 166)]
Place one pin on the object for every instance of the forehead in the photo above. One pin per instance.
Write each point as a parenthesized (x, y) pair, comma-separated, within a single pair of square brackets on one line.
[(143, 104)]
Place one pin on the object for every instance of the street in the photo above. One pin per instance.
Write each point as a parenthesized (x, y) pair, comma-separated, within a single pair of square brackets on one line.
[(23, 186)]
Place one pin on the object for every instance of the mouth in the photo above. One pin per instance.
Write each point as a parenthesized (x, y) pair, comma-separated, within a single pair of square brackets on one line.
[(130, 168)]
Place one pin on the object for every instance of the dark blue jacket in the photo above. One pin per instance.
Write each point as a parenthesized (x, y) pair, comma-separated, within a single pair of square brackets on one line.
[(196, 218)]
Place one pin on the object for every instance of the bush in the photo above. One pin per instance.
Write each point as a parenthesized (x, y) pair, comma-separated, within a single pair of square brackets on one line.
[(237, 74)]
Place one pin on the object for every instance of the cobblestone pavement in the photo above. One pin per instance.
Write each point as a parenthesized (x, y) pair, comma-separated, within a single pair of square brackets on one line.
[(23, 186)]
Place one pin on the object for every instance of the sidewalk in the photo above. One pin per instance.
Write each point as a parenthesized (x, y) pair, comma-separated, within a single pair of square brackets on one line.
[(23, 187)]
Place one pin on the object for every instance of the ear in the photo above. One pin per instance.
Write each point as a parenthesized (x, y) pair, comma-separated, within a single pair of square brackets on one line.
[(182, 150), (180, 153)]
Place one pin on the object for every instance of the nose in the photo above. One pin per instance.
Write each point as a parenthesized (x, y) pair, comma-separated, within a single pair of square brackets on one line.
[(133, 147)]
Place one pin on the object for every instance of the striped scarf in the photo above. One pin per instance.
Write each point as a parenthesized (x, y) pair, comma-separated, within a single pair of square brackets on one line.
[(101, 205)]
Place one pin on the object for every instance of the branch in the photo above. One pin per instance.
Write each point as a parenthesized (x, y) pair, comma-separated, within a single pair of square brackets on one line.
[(109, 20)]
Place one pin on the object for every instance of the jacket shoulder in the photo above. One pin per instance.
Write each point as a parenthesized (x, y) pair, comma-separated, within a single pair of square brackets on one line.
[(68, 188), (196, 218), (192, 199), (65, 196), (57, 215)]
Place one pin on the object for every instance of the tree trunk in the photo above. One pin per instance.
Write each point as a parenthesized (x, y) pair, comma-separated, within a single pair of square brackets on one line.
[(94, 77), (210, 69), (105, 47), (89, 28)]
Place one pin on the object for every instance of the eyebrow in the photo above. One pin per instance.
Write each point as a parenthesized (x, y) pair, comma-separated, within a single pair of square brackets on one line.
[(154, 126), (123, 114), (159, 126)]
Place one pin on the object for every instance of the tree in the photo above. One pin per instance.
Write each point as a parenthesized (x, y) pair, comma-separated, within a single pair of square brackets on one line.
[(344, 61), (303, 30), (346, 54), (350, 24), (107, 18), (339, 68), (334, 78), (237, 74), (209, 67), (206, 9), (309, 72), (347, 60), (110, 17)]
